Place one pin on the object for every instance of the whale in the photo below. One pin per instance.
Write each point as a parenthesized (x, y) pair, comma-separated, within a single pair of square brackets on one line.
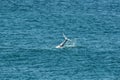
[(61, 45)]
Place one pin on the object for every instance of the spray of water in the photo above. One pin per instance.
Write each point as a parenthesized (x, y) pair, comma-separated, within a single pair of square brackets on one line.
[(71, 43)]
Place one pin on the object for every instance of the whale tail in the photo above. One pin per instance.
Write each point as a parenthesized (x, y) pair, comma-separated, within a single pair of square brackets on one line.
[(65, 37), (64, 42)]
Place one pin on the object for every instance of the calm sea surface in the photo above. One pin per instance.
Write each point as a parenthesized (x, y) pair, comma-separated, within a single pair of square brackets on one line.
[(30, 30)]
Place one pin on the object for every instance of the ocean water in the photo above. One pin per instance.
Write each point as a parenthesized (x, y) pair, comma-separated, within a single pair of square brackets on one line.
[(30, 30)]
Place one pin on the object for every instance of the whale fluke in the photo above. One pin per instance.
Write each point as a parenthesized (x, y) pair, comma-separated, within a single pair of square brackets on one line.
[(64, 42)]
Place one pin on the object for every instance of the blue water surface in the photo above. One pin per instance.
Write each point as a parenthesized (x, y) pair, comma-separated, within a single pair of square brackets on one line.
[(30, 30)]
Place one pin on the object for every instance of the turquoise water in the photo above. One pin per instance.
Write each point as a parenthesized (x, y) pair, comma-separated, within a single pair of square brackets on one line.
[(30, 30)]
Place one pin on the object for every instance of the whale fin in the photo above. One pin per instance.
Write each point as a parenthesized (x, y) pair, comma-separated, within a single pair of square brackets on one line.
[(64, 42), (66, 37)]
